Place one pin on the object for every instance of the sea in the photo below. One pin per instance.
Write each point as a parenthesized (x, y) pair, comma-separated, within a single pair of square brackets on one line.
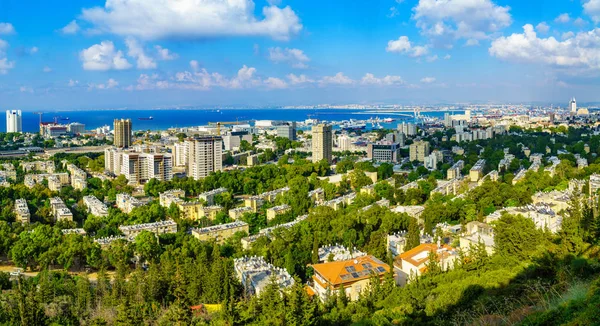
[(163, 119)]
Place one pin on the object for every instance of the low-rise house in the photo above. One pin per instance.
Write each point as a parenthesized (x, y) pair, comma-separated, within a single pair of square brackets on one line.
[(337, 253), (191, 210), (172, 196), (219, 233), (74, 231), (412, 263), (317, 195), (397, 241), (353, 275), (210, 212), (476, 233), (254, 202)]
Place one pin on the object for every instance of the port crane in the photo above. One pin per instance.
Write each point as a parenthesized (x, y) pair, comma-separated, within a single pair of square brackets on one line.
[(225, 123)]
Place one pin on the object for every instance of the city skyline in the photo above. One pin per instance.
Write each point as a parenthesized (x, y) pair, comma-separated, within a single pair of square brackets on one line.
[(106, 54)]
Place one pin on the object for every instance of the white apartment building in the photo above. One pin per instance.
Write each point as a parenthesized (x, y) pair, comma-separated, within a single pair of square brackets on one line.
[(205, 156), (138, 168), (22, 211), (95, 206), (14, 121), (126, 203), (60, 210)]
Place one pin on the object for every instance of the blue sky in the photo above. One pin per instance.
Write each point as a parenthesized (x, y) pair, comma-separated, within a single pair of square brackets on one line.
[(156, 53)]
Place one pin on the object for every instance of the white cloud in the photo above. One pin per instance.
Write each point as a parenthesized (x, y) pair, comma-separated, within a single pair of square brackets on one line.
[(542, 28), (5, 65), (562, 18), (25, 89), (275, 83), (447, 57), (370, 79), (47, 69), (393, 12), (337, 79), (201, 79), (165, 54), (110, 83), (428, 80), (297, 80), (444, 20), (136, 51), (71, 28), (579, 51), (34, 50), (192, 19), (432, 58), (567, 35), (472, 42), (579, 22), (6, 28), (403, 45), (592, 9), (103, 57), (294, 57), (73, 83)]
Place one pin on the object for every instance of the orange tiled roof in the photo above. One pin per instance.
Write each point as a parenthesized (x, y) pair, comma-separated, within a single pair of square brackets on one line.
[(340, 272), (410, 256)]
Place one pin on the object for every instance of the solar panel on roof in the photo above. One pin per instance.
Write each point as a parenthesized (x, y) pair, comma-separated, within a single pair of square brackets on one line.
[(366, 265), (355, 275), (381, 269), (350, 269), (345, 276)]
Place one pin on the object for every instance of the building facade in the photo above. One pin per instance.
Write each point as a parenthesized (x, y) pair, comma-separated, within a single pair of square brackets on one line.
[(322, 143), (122, 130), (205, 155), (14, 121)]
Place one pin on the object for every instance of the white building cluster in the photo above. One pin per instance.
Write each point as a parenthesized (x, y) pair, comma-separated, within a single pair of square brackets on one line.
[(138, 167), (256, 274), (126, 202), (95, 206), (60, 210)]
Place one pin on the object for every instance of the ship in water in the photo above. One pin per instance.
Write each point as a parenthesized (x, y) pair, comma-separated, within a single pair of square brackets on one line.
[(148, 118), (353, 125), (65, 118)]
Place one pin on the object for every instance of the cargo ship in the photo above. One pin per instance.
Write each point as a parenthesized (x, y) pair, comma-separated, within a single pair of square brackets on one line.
[(148, 118)]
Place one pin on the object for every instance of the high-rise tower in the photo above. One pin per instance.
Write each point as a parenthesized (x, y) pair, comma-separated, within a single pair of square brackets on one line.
[(122, 130)]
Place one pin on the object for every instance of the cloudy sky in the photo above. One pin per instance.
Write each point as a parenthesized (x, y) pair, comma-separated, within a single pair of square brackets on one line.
[(151, 53)]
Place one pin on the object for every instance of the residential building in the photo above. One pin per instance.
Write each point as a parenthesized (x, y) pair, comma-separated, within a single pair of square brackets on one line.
[(454, 171), (413, 263), (594, 184), (476, 171), (210, 212), (191, 210), (205, 156), (170, 196), (322, 143), (126, 203), (396, 242), (254, 202), (237, 213), (418, 151), (122, 130), (60, 210), (256, 274), (384, 152), (209, 196), (14, 121), (476, 233), (252, 160), (137, 167), (408, 129), (273, 212), (158, 228), (76, 128), (317, 195), (95, 206), (353, 275), (338, 253), (45, 166), (78, 231), (22, 211), (220, 233)]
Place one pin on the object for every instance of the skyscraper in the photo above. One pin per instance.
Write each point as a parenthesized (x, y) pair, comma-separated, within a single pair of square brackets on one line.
[(205, 155), (322, 143), (14, 121), (122, 133), (573, 106)]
